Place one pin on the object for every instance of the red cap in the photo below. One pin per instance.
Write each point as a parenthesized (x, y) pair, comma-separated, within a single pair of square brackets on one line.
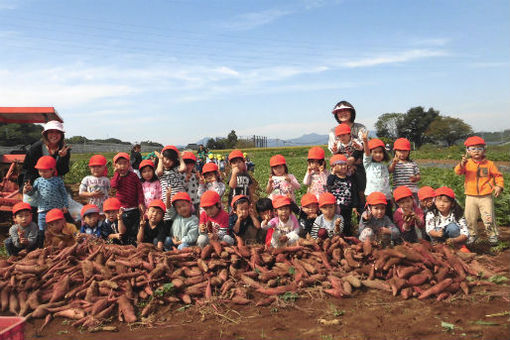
[(46, 163), (170, 147), (326, 198), (158, 204), (20, 206), (111, 203), (426, 192), (475, 140), (342, 129), (209, 198), (181, 196), (54, 215), (235, 154), (316, 153), (89, 209), (97, 160), (337, 159), (402, 144), (376, 198), (146, 162), (375, 143), (402, 192), (445, 191), (308, 198), (120, 155), (237, 198), (277, 160), (281, 201), (209, 167), (189, 156)]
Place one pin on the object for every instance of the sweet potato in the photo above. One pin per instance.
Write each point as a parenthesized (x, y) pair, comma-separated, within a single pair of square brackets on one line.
[(266, 301), (71, 313), (334, 292), (405, 272), (202, 265), (417, 279), (239, 300), (276, 291), (4, 296), (377, 284), (60, 289), (92, 291), (391, 262), (367, 248), (126, 309), (465, 288), (406, 293), (481, 270), (250, 282), (436, 289), (216, 246), (13, 303), (160, 270), (98, 306)]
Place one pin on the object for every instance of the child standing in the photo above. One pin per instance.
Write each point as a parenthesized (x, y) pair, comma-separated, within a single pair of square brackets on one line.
[(243, 221), (58, 232), (308, 213), (50, 191), (285, 227), (95, 186), (191, 179), (184, 232), (426, 196), (445, 222), (213, 220), (316, 176), (344, 189), (375, 225), (482, 180), (90, 220), (329, 223), (152, 227), (210, 180), (113, 217), (150, 183), (240, 182), (405, 171), (281, 183), (23, 234), (408, 217), (170, 172), (130, 194)]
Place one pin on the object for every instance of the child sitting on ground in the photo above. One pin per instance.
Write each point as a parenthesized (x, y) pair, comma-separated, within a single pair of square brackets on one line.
[(240, 182), (150, 182), (243, 221), (95, 186), (328, 223), (408, 217), (264, 208), (213, 220), (284, 227), (90, 220), (153, 228), (308, 213), (184, 231), (316, 174), (23, 233), (113, 217), (58, 232), (482, 180), (375, 225), (426, 196)]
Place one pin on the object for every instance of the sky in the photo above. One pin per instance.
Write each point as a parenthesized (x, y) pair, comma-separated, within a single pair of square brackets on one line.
[(175, 71)]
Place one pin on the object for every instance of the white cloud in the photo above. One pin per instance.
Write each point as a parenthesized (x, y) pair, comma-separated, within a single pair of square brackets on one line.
[(251, 20), (397, 57), (431, 42)]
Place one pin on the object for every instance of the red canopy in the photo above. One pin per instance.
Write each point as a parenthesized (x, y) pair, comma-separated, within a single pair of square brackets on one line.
[(28, 115)]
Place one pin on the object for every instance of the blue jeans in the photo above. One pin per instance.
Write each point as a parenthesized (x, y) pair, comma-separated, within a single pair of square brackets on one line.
[(452, 230), (41, 219), (167, 244)]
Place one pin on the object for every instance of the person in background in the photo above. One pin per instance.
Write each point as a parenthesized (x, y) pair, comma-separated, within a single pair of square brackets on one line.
[(136, 158), (95, 187), (201, 156), (23, 233)]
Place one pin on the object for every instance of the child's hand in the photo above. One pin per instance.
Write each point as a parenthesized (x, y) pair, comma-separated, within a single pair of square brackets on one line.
[(142, 221), (450, 242), (286, 177), (63, 152), (119, 215), (366, 215), (338, 221), (283, 239), (159, 155), (27, 188), (97, 193), (201, 179), (115, 236), (440, 233), (355, 211), (356, 145), (364, 135), (309, 169), (497, 190), (385, 231), (271, 181), (235, 171), (175, 241), (322, 167), (23, 240), (203, 228), (334, 149), (413, 178), (464, 159)]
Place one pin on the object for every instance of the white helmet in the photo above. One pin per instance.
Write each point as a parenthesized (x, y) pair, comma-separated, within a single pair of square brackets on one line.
[(54, 125)]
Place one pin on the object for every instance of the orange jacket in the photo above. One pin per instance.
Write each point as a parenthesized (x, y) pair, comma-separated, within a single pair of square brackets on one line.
[(480, 178)]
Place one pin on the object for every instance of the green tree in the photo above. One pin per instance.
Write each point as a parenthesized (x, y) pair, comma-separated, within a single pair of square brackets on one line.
[(231, 140), (448, 129), (77, 140), (389, 125), (15, 134), (416, 121)]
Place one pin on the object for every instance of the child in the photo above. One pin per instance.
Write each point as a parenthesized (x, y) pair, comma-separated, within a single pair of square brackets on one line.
[(130, 194), (113, 218), (374, 224), (136, 158), (281, 183), (285, 227), (90, 220), (405, 171), (50, 191), (316, 174), (191, 180), (58, 232), (170, 172), (150, 183), (408, 217), (308, 213), (265, 211), (240, 182), (243, 221), (210, 180), (213, 220), (95, 186), (482, 179), (153, 228), (329, 223), (378, 177), (23, 234), (426, 196), (184, 232), (445, 222), (345, 190)]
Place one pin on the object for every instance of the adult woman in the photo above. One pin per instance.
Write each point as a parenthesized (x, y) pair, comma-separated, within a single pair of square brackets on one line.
[(345, 113)]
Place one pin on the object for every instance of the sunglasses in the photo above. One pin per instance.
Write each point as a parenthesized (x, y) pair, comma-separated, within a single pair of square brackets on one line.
[(475, 148)]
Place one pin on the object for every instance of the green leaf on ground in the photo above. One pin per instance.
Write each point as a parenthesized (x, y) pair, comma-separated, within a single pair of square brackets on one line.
[(447, 326), (498, 279), (485, 323)]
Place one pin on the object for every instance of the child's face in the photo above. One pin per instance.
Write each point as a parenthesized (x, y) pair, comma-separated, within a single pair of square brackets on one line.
[(278, 170), (310, 209), (155, 215), (238, 163), (377, 154), (378, 210), (328, 210), (344, 115), (406, 204), (210, 177), (477, 152), (266, 214), (283, 213), (23, 218), (111, 215), (443, 204), (167, 163), (314, 164), (183, 208), (46, 173), (122, 166), (56, 226), (345, 138), (147, 173), (91, 219), (243, 210), (97, 170), (427, 202), (190, 166), (340, 169), (212, 211), (402, 155)]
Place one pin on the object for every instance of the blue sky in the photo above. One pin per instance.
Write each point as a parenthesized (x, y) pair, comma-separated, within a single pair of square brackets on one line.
[(175, 71)]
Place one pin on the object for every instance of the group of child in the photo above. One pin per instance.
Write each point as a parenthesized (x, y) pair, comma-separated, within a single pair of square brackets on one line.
[(172, 205)]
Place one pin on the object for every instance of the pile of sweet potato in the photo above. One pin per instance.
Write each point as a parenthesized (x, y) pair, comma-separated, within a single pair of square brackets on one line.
[(91, 281)]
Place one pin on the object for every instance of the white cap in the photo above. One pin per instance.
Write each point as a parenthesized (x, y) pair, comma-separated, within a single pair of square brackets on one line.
[(341, 107), (54, 125)]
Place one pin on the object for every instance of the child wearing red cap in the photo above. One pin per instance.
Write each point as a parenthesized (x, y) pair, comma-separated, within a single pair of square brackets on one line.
[(24, 232), (482, 180), (281, 183), (90, 220), (184, 231), (58, 232), (426, 196), (153, 229), (408, 217), (243, 221), (316, 175), (213, 220), (150, 182), (192, 179), (240, 181), (405, 171), (210, 180), (285, 225), (328, 223), (113, 217), (308, 213), (374, 224), (170, 171), (95, 187), (446, 222)]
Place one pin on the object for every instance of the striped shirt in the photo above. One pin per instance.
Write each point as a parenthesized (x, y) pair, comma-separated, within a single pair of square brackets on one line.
[(129, 189), (402, 174), (321, 222), (174, 180)]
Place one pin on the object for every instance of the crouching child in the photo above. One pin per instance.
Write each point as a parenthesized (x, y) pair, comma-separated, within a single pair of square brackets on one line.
[(408, 217), (23, 234), (213, 220), (243, 221), (152, 227), (184, 231), (284, 228), (329, 223), (375, 225), (90, 220), (58, 231)]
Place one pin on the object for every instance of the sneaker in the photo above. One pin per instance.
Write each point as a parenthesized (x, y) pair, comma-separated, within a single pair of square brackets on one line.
[(493, 240), (464, 249)]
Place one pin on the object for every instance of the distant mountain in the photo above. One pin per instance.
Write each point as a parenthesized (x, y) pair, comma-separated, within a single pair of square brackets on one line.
[(310, 139)]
